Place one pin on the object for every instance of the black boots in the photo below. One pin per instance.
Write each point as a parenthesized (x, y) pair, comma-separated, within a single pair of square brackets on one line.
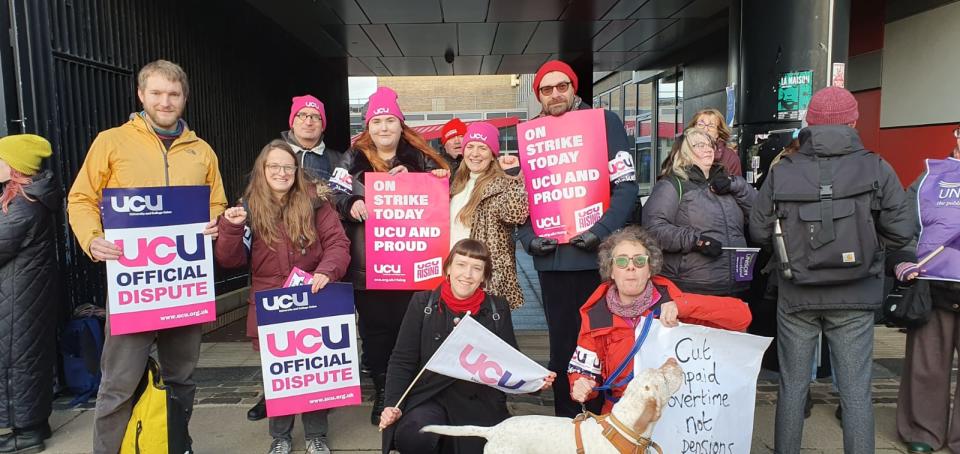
[(24, 441), (258, 411), (379, 382)]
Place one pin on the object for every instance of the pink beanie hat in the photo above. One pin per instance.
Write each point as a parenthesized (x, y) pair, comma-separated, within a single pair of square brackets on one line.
[(383, 102), (484, 133), (302, 102)]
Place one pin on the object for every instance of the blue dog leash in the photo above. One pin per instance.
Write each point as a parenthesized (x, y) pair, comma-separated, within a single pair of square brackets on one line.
[(608, 385)]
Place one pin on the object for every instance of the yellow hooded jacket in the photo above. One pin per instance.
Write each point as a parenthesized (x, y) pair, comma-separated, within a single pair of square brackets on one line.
[(132, 156)]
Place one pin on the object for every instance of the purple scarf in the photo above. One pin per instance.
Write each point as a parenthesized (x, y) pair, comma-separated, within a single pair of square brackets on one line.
[(633, 310)]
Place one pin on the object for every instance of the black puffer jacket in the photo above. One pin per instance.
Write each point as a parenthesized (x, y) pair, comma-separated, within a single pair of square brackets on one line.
[(28, 304), (408, 156)]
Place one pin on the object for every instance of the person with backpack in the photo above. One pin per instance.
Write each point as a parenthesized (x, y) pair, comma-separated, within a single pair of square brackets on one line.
[(281, 225), (694, 211), (925, 419), (438, 399), (29, 292), (830, 210)]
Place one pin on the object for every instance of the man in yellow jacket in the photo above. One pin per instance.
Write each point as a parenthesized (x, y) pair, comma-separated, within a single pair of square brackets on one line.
[(154, 148)]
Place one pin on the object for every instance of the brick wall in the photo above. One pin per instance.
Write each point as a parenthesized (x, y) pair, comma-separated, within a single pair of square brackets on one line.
[(454, 93)]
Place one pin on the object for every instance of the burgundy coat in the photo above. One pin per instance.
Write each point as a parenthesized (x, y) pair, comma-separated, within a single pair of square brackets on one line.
[(269, 267), (729, 159)]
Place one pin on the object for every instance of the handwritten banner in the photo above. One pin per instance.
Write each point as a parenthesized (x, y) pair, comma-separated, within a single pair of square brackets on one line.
[(308, 351), (713, 410), (938, 198), (407, 230), (164, 279), (565, 170)]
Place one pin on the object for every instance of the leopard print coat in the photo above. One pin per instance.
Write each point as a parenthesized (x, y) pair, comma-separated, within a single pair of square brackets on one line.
[(503, 206)]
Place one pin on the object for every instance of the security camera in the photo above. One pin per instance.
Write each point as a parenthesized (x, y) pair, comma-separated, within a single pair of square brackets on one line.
[(448, 56)]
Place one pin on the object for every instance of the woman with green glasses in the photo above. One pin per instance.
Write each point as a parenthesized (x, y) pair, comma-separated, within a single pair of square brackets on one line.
[(629, 261)]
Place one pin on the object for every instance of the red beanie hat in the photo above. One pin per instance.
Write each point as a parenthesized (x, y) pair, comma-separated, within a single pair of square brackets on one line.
[(452, 129), (832, 106), (549, 67)]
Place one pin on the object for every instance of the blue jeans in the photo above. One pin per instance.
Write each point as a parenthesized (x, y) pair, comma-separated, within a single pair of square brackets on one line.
[(850, 336)]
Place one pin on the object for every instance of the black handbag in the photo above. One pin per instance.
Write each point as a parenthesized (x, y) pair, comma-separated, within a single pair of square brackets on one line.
[(908, 306)]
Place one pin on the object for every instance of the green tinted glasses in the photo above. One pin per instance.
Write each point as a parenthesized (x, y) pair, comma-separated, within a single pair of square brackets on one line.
[(623, 261)]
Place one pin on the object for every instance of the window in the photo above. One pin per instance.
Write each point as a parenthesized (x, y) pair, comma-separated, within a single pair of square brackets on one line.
[(496, 115), (508, 139), (470, 116), (439, 116)]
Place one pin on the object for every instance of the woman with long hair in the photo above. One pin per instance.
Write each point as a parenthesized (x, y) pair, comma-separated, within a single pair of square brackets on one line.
[(386, 145), (694, 211), (486, 204), (290, 225), (711, 121), (29, 293)]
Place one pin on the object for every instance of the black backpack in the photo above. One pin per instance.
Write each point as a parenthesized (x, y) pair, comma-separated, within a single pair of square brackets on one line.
[(828, 208)]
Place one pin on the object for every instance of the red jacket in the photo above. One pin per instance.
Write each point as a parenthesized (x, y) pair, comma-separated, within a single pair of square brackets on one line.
[(605, 339), (729, 158), (271, 264)]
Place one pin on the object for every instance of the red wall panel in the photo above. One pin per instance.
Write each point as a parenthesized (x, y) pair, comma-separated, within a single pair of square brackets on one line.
[(906, 148), (869, 123), (866, 26)]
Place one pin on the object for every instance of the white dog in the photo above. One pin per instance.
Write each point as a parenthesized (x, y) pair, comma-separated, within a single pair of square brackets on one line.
[(638, 410)]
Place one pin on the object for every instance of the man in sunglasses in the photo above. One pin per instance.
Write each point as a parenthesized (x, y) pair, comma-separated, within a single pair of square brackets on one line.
[(568, 272)]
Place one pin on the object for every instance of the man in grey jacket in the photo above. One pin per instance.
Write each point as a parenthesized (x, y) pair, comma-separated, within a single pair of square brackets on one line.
[(842, 311)]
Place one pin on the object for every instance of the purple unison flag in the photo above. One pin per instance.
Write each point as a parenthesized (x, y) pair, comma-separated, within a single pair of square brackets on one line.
[(742, 263), (938, 202)]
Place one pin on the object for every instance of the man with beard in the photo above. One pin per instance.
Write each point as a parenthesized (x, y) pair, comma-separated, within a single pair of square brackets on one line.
[(154, 148), (568, 272)]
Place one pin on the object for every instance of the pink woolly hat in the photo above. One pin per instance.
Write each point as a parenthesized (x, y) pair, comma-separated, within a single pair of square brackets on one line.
[(302, 102), (484, 133), (383, 102)]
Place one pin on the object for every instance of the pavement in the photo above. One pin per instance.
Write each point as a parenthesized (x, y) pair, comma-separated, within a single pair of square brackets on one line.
[(228, 380)]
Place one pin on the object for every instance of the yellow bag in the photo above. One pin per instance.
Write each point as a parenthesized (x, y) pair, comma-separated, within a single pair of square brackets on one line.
[(158, 424)]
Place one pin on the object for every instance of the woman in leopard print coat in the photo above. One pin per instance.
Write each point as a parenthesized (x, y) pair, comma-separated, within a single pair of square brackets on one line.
[(486, 204)]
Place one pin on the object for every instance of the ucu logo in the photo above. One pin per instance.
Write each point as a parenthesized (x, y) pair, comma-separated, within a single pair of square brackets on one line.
[(548, 223), (312, 104), (161, 251), (381, 110), (488, 372), (136, 203), (308, 341), (478, 136), (386, 269), (281, 302)]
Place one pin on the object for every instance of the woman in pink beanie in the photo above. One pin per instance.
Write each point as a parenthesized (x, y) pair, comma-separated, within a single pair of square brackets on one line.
[(386, 145), (486, 204)]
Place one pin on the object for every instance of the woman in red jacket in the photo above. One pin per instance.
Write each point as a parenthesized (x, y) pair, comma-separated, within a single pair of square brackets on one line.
[(291, 227), (629, 262)]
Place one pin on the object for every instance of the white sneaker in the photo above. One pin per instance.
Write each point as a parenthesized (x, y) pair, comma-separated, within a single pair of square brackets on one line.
[(317, 446), (280, 446)]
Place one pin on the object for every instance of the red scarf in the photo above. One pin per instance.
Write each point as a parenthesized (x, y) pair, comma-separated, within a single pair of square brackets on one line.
[(471, 303)]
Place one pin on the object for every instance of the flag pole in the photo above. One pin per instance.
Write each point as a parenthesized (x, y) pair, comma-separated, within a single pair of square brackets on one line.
[(415, 379), (930, 256)]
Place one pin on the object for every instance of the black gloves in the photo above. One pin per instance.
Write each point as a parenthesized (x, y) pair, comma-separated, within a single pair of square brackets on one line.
[(708, 246), (720, 183), (586, 241), (543, 246)]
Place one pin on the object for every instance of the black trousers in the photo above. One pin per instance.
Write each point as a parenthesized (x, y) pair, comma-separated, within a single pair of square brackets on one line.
[(408, 439), (563, 294), (381, 312)]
